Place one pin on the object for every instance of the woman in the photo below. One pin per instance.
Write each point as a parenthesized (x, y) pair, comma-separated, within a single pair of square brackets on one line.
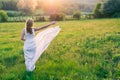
[(34, 46)]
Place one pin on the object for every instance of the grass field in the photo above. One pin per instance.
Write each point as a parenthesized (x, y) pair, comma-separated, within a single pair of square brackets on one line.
[(83, 50)]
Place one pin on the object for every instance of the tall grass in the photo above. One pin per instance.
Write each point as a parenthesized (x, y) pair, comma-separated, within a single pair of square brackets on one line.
[(84, 50)]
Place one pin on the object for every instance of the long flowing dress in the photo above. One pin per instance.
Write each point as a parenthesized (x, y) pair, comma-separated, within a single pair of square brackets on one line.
[(34, 46)]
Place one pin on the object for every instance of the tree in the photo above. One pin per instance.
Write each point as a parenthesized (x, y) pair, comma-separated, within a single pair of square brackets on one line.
[(9, 5), (97, 11), (111, 8), (3, 16), (27, 6), (57, 16), (77, 15), (1, 5)]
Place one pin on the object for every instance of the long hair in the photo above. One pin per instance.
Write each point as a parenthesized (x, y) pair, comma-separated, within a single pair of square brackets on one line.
[(29, 25)]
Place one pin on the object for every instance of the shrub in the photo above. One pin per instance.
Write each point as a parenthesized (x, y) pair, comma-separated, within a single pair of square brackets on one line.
[(77, 15), (14, 13), (57, 16), (3, 16), (89, 16), (40, 18)]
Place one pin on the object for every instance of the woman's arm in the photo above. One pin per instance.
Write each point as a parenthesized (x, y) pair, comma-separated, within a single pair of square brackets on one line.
[(23, 35), (42, 27)]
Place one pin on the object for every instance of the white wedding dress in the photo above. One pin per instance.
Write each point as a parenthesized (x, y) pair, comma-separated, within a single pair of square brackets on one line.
[(34, 46)]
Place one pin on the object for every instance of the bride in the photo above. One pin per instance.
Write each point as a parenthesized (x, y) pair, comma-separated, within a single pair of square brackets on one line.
[(34, 46)]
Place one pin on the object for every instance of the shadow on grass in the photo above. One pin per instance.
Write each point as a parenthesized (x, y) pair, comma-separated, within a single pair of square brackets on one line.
[(28, 76), (11, 61)]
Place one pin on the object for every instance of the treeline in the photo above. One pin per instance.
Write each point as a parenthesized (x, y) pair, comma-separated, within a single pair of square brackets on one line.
[(107, 9), (8, 5), (33, 6), (52, 17)]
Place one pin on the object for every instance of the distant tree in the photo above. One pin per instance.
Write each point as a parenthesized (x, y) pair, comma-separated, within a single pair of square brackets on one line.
[(27, 6), (97, 11), (9, 5), (1, 5), (77, 15), (40, 18), (3, 16), (57, 16), (14, 13), (111, 8)]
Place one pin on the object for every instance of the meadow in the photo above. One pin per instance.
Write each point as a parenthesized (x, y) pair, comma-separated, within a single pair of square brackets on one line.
[(83, 50)]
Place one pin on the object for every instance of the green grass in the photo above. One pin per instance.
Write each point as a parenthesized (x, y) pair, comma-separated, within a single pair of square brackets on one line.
[(83, 50)]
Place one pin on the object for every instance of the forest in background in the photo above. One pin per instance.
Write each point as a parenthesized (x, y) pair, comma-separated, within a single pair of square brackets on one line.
[(59, 10), (39, 7)]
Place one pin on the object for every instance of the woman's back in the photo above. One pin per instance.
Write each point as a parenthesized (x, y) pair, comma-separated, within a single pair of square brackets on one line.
[(29, 36), (29, 43)]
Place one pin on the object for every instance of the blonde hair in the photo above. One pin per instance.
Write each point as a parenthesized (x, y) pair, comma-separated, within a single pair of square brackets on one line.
[(29, 25)]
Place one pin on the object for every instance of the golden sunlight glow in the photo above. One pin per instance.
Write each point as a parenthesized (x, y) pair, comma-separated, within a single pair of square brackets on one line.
[(51, 1), (50, 5)]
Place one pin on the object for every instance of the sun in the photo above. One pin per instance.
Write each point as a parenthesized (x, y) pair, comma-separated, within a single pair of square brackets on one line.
[(50, 1), (51, 5)]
